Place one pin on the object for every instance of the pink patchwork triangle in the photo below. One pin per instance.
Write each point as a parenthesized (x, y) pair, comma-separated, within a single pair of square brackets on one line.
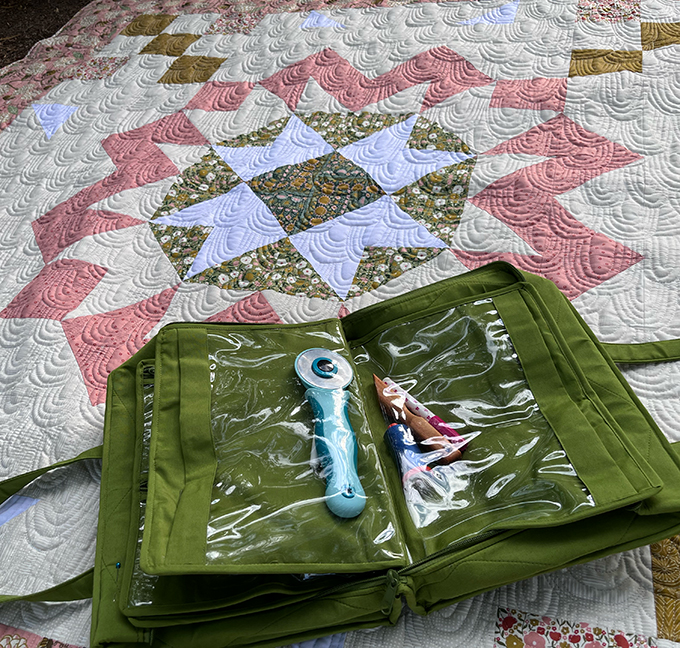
[(221, 95), (448, 74), (103, 342), (530, 94), (139, 161), (56, 230), (573, 256), (254, 309), (58, 289)]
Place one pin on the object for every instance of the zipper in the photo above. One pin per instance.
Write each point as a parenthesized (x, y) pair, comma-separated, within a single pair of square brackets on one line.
[(391, 591), (463, 543), (394, 579)]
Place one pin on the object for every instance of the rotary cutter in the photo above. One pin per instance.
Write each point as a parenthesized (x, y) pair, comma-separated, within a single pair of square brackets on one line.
[(326, 375)]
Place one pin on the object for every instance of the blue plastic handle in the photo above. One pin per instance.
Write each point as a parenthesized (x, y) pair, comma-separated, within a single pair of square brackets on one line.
[(336, 446)]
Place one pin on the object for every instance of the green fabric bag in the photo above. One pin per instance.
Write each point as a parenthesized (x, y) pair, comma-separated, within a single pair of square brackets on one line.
[(213, 528)]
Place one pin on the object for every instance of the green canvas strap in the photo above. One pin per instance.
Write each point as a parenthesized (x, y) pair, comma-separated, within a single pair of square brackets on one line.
[(663, 351), (13, 485), (79, 587)]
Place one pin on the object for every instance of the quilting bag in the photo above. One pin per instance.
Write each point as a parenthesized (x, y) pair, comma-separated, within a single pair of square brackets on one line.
[(214, 528)]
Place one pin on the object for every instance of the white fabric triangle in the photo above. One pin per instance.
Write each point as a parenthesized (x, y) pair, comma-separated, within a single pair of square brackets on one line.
[(52, 116), (297, 143), (334, 248), (384, 156), (316, 20)]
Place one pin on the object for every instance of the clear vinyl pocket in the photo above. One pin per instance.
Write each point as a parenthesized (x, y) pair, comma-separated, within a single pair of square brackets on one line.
[(177, 599), (528, 461), (268, 497), (249, 495)]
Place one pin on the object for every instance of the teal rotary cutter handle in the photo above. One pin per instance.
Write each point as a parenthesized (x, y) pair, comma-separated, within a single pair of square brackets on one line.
[(326, 375)]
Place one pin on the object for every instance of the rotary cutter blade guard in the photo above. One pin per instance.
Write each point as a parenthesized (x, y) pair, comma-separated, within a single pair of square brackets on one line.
[(326, 375)]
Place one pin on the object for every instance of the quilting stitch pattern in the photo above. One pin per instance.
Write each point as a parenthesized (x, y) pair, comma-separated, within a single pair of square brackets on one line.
[(622, 217)]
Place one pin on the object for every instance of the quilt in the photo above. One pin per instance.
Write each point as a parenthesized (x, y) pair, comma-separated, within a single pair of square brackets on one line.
[(293, 160)]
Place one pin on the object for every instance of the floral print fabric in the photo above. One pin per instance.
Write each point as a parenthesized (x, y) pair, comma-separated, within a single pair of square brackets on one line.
[(341, 130), (261, 137), (437, 199), (310, 193), (307, 194), (515, 629), (611, 11), (278, 266), (204, 180)]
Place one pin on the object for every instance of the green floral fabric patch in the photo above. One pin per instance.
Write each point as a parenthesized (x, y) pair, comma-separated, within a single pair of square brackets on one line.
[(426, 135), (180, 244), (310, 193), (278, 266), (380, 265), (437, 199), (202, 181), (261, 137), (343, 129)]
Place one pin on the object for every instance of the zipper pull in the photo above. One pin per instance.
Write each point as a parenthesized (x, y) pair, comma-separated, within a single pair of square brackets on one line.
[(393, 582)]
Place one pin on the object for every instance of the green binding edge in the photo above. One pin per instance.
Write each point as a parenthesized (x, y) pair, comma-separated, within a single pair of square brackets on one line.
[(605, 468), (128, 564), (117, 505), (644, 352), (622, 404)]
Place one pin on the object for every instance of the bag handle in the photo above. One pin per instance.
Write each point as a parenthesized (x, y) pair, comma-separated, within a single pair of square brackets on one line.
[(77, 588), (663, 351)]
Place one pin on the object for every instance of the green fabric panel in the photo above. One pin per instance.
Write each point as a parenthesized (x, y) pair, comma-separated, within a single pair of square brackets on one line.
[(135, 583), (187, 542), (607, 481), (166, 461), (116, 506), (618, 398), (295, 635), (661, 351), (169, 600), (349, 608), (507, 559), (188, 608), (582, 367), (151, 601)]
